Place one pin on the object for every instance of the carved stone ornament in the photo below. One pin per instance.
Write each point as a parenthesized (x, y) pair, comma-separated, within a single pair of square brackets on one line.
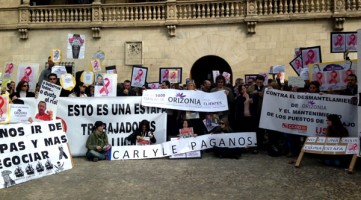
[(171, 11), (339, 21), (252, 8), (23, 33), (171, 30), (96, 32), (251, 27), (340, 5)]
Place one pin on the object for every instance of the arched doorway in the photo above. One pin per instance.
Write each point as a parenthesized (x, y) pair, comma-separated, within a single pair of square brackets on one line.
[(203, 67)]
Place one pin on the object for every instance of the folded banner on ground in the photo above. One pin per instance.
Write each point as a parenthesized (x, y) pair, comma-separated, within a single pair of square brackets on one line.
[(331, 145), (31, 151), (230, 140), (194, 100), (305, 113)]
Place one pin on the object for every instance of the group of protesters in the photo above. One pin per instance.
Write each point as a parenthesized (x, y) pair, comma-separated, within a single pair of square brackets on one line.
[(245, 100)]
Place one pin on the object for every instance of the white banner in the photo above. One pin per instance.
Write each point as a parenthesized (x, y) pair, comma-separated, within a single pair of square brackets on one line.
[(120, 114), (230, 140), (31, 151), (305, 113), (194, 100)]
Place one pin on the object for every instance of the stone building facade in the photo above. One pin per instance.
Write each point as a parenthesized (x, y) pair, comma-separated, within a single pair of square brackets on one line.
[(246, 36)]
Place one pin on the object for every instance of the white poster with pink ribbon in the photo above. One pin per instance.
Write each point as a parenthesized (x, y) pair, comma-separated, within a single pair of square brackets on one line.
[(4, 109), (9, 68), (28, 73), (139, 76), (311, 55), (332, 75), (108, 88)]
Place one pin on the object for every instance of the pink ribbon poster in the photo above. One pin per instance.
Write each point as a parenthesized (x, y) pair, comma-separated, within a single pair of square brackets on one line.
[(28, 73), (332, 75), (4, 109), (311, 55), (9, 68), (139, 76), (342, 42), (107, 87), (173, 75)]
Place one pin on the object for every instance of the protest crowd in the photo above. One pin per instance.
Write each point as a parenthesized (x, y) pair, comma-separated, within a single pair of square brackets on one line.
[(245, 101)]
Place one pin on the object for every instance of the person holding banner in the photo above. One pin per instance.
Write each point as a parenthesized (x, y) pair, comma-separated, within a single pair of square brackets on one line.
[(351, 88), (142, 133), (97, 143)]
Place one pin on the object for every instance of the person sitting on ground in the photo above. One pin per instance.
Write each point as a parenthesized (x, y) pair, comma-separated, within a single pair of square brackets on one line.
[(97, 143), (335, 129), (186, 130), (143, 135), (223, 127)]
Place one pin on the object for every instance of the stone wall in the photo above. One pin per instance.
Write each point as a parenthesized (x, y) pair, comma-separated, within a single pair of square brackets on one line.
[(273, 44)]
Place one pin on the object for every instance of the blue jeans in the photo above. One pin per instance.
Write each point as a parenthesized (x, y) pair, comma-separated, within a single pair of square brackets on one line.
[(95, 154)]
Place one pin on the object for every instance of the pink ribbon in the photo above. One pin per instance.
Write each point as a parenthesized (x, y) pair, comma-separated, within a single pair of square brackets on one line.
[(352, 41), (166, 74), (152, 86), (2, 102), (139, 75), (173, 75), (310, 57), (26, 76), (96, 65), (339, 40), (9, 68), (348, 72), (353, 148), (105, 86)]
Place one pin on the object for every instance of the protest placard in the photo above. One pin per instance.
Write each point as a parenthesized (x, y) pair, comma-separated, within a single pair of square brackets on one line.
[(31, 151), (305, 113)]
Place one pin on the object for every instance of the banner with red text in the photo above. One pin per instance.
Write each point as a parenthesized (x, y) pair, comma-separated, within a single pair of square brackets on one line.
[(305, 113)]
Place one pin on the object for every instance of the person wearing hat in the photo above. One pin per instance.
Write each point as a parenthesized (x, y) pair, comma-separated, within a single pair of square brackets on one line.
[(97, 143)]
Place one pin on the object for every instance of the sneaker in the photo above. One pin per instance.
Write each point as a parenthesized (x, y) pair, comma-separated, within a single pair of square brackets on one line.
[(95, 159)]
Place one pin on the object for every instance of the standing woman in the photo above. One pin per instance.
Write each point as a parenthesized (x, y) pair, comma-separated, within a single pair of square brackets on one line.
[(244, 121), (22, 90)]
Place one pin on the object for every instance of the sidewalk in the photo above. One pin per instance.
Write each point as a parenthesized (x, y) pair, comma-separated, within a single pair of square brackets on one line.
[(251, 177)]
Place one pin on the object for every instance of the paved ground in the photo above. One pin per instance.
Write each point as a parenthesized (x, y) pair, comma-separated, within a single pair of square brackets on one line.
[(251, 177)]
